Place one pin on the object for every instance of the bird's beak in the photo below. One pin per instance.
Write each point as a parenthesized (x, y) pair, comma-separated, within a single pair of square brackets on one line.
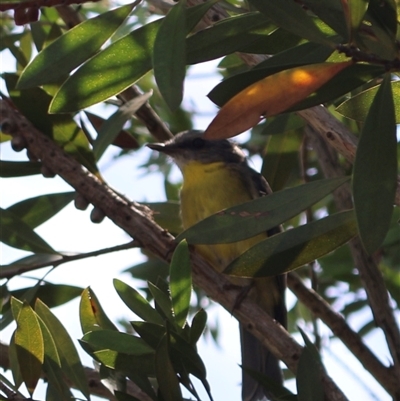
[(159, 147)]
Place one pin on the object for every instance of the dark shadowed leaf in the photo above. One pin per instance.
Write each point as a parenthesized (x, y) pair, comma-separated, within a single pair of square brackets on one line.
[(259, 215), (14, 232), (70, 361), (73, 48), (113, 125), (136, 303), (309, 373), (165, 373), (292, 17), (29, 344), (296, 247), (169, 55), (198, 325), (181, 282), (10, 169), (375, 170), (163, 302), (37, 210), (167, 215)]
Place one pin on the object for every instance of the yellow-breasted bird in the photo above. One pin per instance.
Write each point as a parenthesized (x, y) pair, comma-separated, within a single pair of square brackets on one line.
[(216, 176)]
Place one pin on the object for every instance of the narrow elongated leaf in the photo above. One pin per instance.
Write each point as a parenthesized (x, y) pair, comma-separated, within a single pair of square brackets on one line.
[(269, 97), (166, 377), (357, 107), (91, 313), (116, 341), (296, 247), (163, 302), (14, 232), (181, 282), (136, 303), (112, 127), (37, 210), (28, 343), (259, 215), (167, 215), (198, 325), (70, 361), (169, 55), (73, 48), (227, 36), (375, 170), (290, 16), (18, 169), (14, 364), (309, 373), (354, 11)]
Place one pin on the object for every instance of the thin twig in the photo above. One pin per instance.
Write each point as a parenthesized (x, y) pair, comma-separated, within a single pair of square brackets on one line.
[(18, 268)]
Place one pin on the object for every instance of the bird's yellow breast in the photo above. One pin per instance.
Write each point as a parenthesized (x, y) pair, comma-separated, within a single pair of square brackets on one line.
[(207, 189)]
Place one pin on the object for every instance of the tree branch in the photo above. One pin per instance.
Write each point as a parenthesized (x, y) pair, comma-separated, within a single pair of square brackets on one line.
[(370, 274), (137, 221)]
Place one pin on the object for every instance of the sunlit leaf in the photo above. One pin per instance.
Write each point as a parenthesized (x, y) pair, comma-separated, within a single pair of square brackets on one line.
[(375, 170), (14, 232), (73, 48), (269, 97), (181, 282), (258, 215), (70, 361), (28, 344), (296, 247), (354, 11)]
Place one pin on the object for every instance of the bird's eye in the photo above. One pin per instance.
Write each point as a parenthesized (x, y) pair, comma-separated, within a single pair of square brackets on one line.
[(198, 143)]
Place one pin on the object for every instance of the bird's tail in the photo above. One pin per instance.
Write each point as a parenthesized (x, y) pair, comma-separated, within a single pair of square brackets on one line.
[(256, 357)]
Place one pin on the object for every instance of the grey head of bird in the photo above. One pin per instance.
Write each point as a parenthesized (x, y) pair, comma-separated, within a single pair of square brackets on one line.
[(190, 146)]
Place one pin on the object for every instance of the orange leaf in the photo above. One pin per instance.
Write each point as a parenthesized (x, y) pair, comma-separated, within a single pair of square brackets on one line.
[(270, 96)]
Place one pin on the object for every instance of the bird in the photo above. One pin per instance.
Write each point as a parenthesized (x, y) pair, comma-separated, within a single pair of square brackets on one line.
[(216, 176)]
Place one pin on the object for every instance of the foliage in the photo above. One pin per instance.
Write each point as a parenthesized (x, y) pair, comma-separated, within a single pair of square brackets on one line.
[(344, 55)]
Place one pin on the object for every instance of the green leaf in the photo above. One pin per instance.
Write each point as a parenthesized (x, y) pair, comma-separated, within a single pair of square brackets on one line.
[(19, 235), (259, 215), (52, 366), (14, 364), (116, 341), (37, 210), (51, 294), (309, 373), (151, 270), (73, 48), (91, 313), (181, 282), (70, 361), (357, 107), (167, 215), (354, 11), (163, 301), (375, 170), (198, 325), (281, 158), (61, 128), (166, 377), (292, 17), (114, 124), (296, 247), (136, 303), (227, 36), (169, 55), (10, 169), (28, 343), (109, 72)]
